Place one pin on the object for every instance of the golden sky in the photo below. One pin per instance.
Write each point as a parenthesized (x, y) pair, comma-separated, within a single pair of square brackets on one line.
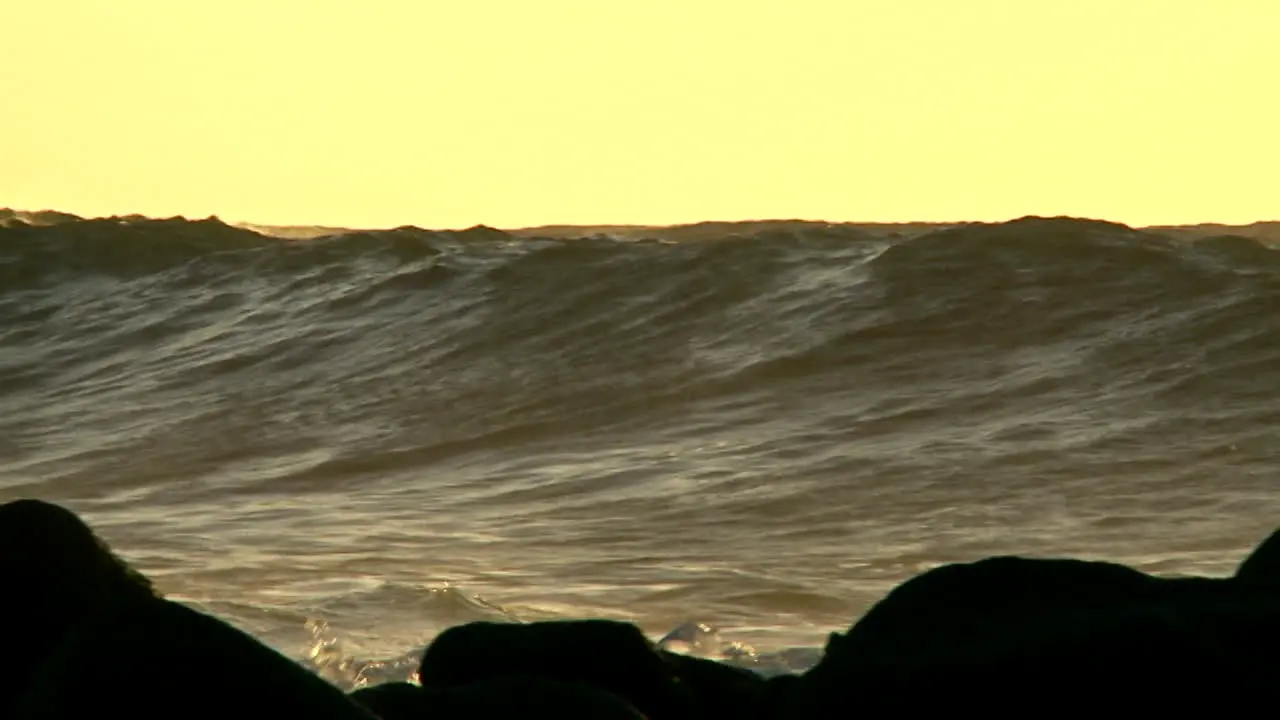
[(449, 113)]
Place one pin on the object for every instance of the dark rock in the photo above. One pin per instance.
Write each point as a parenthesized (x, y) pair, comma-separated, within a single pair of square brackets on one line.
[(93, 633), (779, 697), (988, 635), (1140, 658), (719, 690), (54, 563), (1262, 566), (613, 656), (394, 700), (505, 697), (964, 610), (57, 577)]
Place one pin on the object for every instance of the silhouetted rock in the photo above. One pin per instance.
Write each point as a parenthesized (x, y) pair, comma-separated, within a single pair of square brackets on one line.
[(611, 655), (963, 611), (719, 690), (57, 575), (1262, 566), (607, 654), (1152, 659), (506, 697), (983, 607), (988, 635), (779, 698), (395, 700), (90, 630), (1002, 636)]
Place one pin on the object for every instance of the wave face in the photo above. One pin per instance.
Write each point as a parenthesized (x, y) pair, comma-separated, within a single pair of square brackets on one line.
[(348, 442)]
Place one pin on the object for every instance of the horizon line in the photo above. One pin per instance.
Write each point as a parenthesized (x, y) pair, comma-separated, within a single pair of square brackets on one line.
[(623, 225)]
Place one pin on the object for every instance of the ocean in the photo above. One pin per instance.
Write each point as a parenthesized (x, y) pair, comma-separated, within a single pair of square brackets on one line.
[(738, 434)]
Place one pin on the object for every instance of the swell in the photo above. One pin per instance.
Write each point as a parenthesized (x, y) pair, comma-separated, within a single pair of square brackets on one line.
[(444, 343)]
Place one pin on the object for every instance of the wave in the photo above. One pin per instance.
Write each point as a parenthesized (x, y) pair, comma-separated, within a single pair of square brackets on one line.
[(540, 336), (48, 243), (632, 421)]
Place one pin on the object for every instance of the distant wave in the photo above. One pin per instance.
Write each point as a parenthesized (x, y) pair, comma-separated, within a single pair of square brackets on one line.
[(37, 245), (609, 329)]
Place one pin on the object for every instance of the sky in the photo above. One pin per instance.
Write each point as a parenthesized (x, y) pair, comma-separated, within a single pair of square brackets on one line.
[(511, 113)]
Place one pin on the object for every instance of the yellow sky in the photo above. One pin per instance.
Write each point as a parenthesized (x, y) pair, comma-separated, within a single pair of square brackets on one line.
[(448, 113)]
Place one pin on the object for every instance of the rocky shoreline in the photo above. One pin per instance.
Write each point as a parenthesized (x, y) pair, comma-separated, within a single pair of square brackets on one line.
[(1003, 635)]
